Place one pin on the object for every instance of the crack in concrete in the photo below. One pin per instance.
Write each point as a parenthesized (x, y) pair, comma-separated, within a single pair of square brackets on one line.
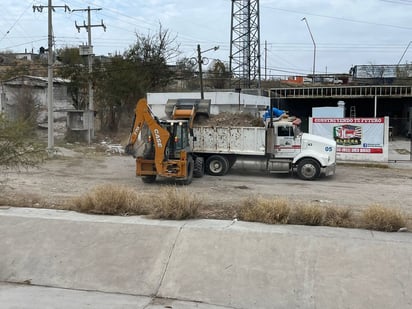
[(172, 249)]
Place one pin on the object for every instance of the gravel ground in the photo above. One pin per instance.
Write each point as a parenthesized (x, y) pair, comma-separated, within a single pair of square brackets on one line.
[(72, 174)]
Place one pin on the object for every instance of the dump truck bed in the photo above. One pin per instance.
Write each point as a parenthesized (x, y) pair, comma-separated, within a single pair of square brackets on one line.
[(229, 140)]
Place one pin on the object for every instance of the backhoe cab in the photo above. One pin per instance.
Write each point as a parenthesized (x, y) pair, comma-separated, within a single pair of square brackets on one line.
[(161, 147)]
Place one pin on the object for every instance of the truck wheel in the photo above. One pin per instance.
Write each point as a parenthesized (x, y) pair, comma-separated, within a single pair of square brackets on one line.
[(149, 179), (217, 165), (199, 169), (190, 168), (308, 169)]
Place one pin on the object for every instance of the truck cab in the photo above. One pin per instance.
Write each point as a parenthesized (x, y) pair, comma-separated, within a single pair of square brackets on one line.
[(287, 140), (310, 155)]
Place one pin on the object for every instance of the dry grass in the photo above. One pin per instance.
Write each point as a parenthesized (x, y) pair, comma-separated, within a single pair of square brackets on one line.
[(112, 200), (257, 209), (339, 217), (377, 217), (307, 215), (175, 204)]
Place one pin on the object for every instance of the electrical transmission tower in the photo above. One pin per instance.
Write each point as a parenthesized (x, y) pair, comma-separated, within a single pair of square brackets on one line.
[(245, 43)]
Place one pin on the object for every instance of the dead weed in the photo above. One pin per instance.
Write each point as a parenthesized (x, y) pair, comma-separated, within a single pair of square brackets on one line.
[(174, 203), (177, 203), (257, 209), (379, 218), (112, 200)]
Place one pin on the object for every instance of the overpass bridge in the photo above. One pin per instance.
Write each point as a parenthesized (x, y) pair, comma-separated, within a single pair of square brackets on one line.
[(342, 92), (395, 101)]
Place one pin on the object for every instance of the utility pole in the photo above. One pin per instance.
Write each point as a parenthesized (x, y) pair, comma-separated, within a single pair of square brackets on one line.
[(314, 49), (266, 59), (89, 53), (202, 60), (50, 115)]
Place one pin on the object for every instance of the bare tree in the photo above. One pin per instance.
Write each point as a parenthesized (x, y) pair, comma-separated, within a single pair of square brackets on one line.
[(219, 75), (120, 82)]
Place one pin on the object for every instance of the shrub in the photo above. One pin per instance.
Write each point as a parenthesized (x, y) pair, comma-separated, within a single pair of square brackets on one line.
[(112, 200), (257, 209), (339, 217), (174, 204), (19, 147), (308, 215), (377, 217)]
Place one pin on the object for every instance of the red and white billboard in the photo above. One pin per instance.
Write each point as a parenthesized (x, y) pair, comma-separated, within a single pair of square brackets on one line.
[(354, 136)]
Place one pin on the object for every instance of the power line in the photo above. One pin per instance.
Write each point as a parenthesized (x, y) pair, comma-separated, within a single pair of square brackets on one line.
[(340, 18), (14, 24)]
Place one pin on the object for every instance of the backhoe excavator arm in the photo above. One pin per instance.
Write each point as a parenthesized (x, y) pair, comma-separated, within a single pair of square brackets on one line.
[(143, 115)]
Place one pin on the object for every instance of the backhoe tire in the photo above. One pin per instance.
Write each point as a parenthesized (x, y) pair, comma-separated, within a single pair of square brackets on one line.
[(190, 167), (217, 165), (149, 179), (308, 169), (199, 169)]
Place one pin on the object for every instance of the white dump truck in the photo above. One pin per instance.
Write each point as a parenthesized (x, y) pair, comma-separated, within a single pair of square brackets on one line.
[(279, 147)]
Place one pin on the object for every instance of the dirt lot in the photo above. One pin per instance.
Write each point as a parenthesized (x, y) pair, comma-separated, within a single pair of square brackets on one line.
[(62, 178)]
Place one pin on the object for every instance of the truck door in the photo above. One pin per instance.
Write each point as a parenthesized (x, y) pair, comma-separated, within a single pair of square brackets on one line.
[(286, 144)]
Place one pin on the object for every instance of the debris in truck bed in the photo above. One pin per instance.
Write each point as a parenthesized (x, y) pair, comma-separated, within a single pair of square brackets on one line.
[(229, 119)]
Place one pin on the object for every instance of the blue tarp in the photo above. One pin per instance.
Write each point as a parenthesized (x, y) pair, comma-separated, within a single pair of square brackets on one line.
[(275, 112)]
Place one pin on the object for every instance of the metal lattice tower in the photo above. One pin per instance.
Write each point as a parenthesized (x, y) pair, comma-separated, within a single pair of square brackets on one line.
[(245, 43)]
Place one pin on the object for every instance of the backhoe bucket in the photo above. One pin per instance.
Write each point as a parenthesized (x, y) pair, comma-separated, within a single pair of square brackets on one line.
[(187, 108)]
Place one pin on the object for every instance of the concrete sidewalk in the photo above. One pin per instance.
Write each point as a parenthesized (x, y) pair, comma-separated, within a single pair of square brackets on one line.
[(400, 151), (37, 297), (199, 263)]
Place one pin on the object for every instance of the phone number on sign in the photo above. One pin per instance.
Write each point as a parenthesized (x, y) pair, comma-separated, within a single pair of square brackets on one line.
[(359, 150)]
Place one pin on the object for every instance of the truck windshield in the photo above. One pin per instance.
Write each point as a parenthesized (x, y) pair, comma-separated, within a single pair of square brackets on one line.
[(285, 131)]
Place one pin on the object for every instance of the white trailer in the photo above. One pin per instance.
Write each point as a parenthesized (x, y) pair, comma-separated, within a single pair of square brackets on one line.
[(278, 148)]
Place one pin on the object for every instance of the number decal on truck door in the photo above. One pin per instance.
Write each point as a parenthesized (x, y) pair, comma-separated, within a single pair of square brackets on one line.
[(328, 148)]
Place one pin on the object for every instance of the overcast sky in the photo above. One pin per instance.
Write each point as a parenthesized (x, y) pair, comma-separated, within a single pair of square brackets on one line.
[(346, 32)]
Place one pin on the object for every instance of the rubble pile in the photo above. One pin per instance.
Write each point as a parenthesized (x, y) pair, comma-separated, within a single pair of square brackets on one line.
[(229, 119)]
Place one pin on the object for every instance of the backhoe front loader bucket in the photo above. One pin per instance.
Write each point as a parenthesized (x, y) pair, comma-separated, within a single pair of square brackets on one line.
[(187, 108)]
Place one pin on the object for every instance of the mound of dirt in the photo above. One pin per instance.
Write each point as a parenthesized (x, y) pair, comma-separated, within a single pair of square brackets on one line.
[(229, 119)]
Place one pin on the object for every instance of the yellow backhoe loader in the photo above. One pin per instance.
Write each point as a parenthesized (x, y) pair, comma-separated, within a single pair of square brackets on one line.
[(162, 147)]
